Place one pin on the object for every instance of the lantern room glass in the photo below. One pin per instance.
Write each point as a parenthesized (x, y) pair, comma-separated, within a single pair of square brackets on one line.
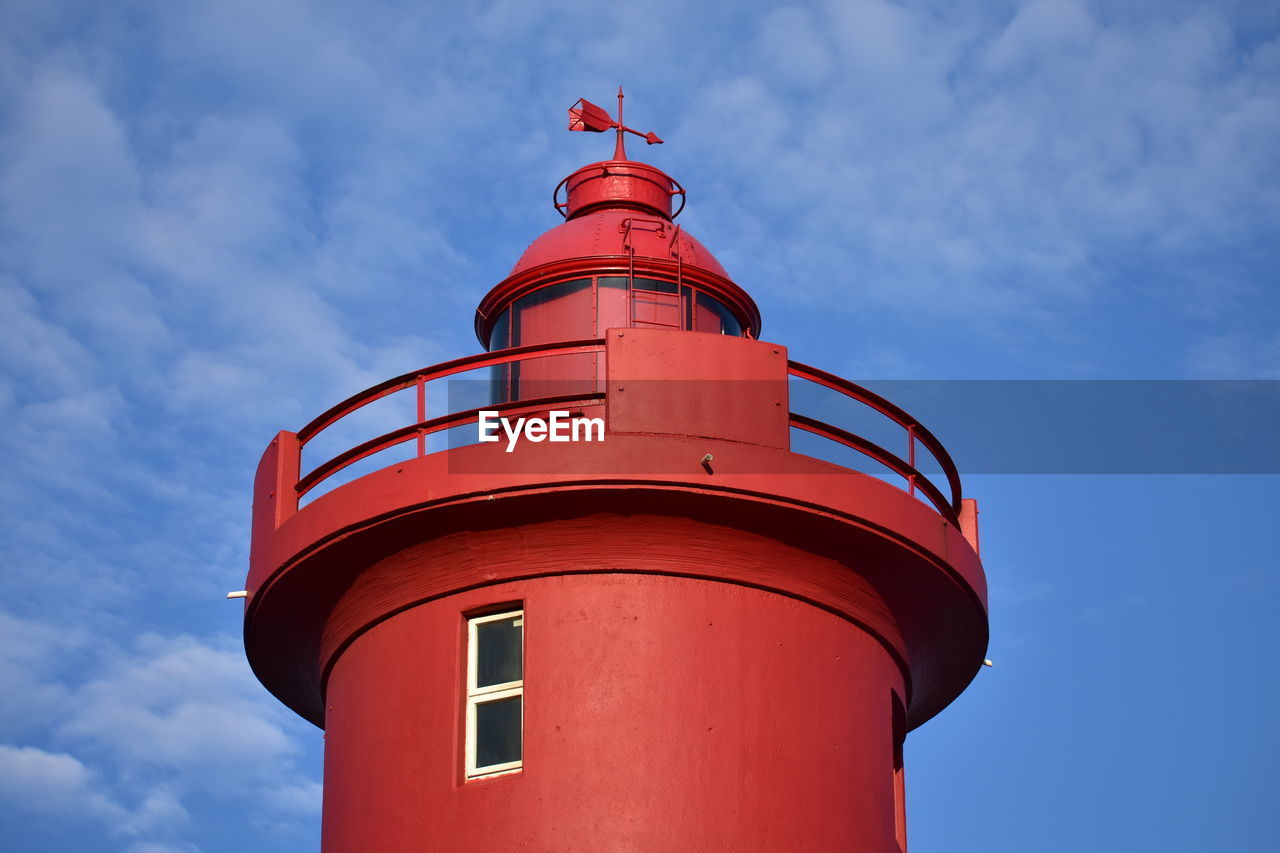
[(583, 308)]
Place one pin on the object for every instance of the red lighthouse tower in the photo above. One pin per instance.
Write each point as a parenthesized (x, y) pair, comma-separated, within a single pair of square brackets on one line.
[(665, 631)]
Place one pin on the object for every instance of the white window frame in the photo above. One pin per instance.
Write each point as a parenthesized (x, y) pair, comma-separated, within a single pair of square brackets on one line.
[(492, 693)]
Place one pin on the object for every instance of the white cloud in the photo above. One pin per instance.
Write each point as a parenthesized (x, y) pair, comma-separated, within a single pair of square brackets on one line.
[(1234, 357), (150, 730), (792, 47), (302, 799), (54, 783), (32, 656), (69, 184), (161, 847), (60, 785), (41, 355), (185, 706), (1040, 31), (990, 169), (159, 810)]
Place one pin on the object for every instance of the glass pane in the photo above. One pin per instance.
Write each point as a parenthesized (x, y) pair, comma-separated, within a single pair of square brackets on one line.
[(558, 312), (498, 731), (612, 304), (656, 285), (499, 651), (713, 316), (656, 310), (500, 335)]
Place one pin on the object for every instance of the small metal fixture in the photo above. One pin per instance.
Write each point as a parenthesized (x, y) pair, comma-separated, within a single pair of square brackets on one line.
[(705, 462), (987, 662), (239, 593)]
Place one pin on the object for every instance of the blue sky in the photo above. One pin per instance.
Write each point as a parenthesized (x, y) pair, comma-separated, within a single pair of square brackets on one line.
[(218, 218)]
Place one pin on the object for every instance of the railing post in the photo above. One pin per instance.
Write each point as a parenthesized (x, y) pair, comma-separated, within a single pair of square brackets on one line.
[(969, 523), (422, 414), (911, 458), (284, 485), (275, 490), (275, 499)]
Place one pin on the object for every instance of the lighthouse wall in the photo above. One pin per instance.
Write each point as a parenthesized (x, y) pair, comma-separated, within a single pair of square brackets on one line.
[(661, 713)]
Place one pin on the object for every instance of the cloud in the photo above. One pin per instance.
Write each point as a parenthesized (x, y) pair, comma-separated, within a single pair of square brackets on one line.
[(996, 169), (1234, 357), (192, 709), (69, 180), (53, 783), (161, 847), (1041, 31), (32, 656), (37, 353), (160, 809), (145, 731), (302, 799), (58, 785), (792, 47)]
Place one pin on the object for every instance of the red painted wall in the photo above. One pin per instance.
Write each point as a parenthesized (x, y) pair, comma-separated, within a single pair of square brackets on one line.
[(661, 714)]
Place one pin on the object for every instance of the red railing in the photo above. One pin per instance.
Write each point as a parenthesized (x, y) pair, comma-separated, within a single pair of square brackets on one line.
[(916, 435), (425, 426)]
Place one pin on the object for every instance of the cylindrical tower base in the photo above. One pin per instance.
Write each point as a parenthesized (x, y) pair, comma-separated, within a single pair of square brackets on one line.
[(661, 713)]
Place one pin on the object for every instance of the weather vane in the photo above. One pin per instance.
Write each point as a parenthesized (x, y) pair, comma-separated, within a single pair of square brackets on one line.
[(586, 116)]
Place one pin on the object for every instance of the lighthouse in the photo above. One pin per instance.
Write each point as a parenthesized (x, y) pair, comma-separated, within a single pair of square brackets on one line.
[(628, 606)]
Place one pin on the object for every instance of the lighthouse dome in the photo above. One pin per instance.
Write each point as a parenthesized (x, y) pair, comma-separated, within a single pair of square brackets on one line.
[(616, 208), (619, 232)]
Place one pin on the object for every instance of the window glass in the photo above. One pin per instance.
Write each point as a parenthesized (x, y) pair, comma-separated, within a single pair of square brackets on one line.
[(655, 304), (611, 304), (498, 726), (499, 653), (712, 315), (656, 285), (661, 304), (655, 310), (500, 334), (558, 312)]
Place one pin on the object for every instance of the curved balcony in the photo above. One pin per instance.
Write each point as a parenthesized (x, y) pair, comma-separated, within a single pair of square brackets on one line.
[(942, 492), (701, 431)]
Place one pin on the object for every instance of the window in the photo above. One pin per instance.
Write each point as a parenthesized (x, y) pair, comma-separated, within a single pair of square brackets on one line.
[(500, 334), (495, 693), (583, 308), (557, 312), (712, 315), (655, 304)]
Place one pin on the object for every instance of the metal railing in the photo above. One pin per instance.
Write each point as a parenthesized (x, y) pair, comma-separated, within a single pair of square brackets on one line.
[(424, 426), (916, 435)]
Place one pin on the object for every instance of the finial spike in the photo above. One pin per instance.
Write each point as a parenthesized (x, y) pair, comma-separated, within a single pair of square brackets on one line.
[(620, 147)]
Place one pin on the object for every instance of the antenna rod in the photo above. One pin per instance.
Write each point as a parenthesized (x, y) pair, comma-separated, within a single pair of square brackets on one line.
[(620, 150)]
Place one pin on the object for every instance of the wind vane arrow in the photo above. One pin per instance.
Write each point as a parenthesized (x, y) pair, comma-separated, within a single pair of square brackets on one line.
[(586, 116)]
